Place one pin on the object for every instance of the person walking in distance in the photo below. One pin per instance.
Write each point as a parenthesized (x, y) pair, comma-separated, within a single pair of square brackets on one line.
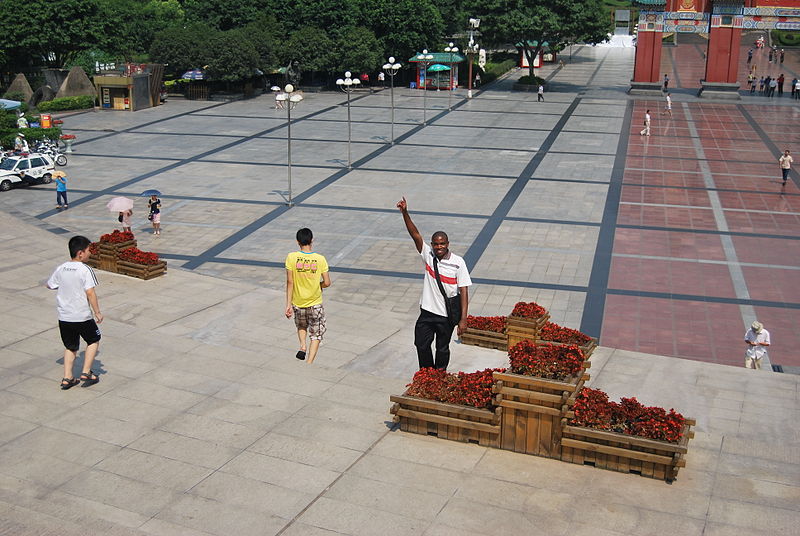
[(76, 300), (781, 80), (797, 90), (786, 165), (666, 83), (757, 339), (540, 93), (154, 203), (667, 105), (304, 268), (646, 130), (445, 299)]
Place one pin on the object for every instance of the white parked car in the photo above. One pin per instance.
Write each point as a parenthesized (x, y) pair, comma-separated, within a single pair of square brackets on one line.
[(26, 170)]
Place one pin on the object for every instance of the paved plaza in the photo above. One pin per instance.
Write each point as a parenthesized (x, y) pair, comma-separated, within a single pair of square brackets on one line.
[(204, 423)]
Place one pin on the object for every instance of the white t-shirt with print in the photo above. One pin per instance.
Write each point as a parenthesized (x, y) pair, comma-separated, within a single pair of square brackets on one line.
[(72, 279), (453, 274)]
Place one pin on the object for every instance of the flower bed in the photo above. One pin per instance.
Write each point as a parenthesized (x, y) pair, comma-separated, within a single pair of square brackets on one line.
[(554, 334), (117, 252), (625, 436), (536, 393), (450, 406), (486, 331), (525, 322)]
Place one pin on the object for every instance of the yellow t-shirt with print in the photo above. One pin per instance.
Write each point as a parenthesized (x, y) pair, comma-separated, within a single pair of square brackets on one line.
[(307, 270)]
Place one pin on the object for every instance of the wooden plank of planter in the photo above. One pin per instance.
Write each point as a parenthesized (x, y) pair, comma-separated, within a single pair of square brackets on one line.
[(527, 407), (616, 451), (530, 395), (485, 339), (142, 271), (537, 382), (641, 442), (461, 411), (520, 329), (451, 421)]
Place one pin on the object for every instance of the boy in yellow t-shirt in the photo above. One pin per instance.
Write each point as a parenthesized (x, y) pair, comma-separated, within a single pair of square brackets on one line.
[(304, 293)]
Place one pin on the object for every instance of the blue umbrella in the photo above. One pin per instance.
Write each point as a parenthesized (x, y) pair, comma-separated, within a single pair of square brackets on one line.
[(148, 193), (6, 104), (194, 74)]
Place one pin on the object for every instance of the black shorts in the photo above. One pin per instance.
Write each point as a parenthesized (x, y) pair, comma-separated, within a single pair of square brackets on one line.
[(73, 332)]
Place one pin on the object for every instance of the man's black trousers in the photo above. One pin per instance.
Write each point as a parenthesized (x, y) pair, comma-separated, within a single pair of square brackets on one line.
[(428, 327)]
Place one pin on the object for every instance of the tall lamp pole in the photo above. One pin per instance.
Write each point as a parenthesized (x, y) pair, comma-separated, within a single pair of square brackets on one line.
[(451, 50), (391, 69), (292, 99), (347, 85), (425, 59), (472, 49)]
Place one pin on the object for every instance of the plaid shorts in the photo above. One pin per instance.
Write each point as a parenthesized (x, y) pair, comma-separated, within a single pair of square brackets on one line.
[(311, 319)]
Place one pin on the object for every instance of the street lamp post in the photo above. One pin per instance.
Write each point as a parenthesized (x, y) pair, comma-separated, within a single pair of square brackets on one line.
[(451, 50), (472, 49), (425, 59), (347, 85), (292, 100), (391, 69)]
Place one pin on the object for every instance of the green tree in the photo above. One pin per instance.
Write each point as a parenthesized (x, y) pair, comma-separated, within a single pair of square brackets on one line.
[(224, 14), (454, 14), (332, 15), (51, 31), (404, 27), (136, 23), (311, 47), (267, 36), (182, 48), (358, 51), (231, 56), (556, 22)]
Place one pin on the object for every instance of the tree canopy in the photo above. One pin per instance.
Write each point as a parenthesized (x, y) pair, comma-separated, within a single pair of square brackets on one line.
[(534, 22)]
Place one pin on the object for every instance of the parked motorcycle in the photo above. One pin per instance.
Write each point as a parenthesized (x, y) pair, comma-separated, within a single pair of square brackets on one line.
[(51, 149)]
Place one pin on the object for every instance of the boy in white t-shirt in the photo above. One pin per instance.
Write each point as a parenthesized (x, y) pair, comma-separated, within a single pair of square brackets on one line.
[(75, 301)]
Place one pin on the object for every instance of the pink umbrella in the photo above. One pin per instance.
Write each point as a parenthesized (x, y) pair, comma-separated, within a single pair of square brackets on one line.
[(120, 204)]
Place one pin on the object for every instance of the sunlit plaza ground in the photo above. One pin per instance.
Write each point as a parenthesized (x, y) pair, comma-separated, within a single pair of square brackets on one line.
[(664, 247)]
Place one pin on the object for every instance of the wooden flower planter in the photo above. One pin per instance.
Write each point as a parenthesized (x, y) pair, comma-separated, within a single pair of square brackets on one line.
[(142, 271), (519, 328), (447, 421), (485, 339), (533, 409), (625, 453), (114, 249)]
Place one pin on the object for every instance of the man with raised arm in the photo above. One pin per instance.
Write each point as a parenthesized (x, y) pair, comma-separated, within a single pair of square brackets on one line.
[(444, 301)]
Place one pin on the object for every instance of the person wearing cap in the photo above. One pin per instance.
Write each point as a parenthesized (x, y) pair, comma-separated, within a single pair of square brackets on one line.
[(22, 121), (20, 144), (757, 339)]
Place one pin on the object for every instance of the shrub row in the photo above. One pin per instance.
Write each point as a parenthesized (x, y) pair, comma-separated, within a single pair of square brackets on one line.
[(67, 103), (31, 135)]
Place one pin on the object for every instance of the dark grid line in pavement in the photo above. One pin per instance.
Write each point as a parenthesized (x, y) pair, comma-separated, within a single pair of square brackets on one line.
[(768, 142), (484, 237), (594, 305)]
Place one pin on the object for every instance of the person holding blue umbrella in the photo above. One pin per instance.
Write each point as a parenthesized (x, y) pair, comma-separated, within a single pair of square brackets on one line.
[(155, 209)]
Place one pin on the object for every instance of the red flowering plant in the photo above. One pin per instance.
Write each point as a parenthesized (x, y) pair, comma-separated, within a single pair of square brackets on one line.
[(487, 323), (555, 333), (93, 249), (137, 256), (545, 360), (592, 409), (528, 310), (465, 388), (117, 237)]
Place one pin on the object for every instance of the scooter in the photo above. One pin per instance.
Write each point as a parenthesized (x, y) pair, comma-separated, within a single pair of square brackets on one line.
[(51, 149)]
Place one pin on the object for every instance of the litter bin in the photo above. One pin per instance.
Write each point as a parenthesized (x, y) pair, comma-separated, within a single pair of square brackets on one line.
[(46, 120)]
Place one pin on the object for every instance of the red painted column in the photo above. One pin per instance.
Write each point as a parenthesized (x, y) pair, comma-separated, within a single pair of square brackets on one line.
[(724, 39), (647, 64)]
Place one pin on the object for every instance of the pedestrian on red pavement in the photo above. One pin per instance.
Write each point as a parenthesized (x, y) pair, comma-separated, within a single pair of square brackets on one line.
[(646, 130), (781, 79), (773, 85), (666, 82), (797, 90), (783, 53), (771, 53), (761, 85), (794, 84), (786, 165), (667, 105), (749, 56), (757, 339)]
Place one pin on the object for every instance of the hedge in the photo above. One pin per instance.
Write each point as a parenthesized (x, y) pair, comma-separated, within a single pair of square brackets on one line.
[(32, 135), (786, 38), (494, 70), (532, 80), (66, 103)]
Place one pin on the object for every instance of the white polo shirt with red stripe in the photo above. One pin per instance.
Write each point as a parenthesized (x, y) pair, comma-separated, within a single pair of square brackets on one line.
[(452, 272)]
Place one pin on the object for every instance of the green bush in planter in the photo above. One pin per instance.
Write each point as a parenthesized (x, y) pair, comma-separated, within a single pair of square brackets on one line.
[(532, 80), (66, 103), (32, 135)]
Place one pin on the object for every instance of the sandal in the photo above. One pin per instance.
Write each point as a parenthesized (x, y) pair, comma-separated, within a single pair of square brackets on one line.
[(301, 355), (89, 378), (69, 383)]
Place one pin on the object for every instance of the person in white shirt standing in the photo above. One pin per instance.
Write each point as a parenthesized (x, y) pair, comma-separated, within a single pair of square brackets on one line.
[(446, 275), (76, 299), (786, 165), (757, 339), (667, 105)]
